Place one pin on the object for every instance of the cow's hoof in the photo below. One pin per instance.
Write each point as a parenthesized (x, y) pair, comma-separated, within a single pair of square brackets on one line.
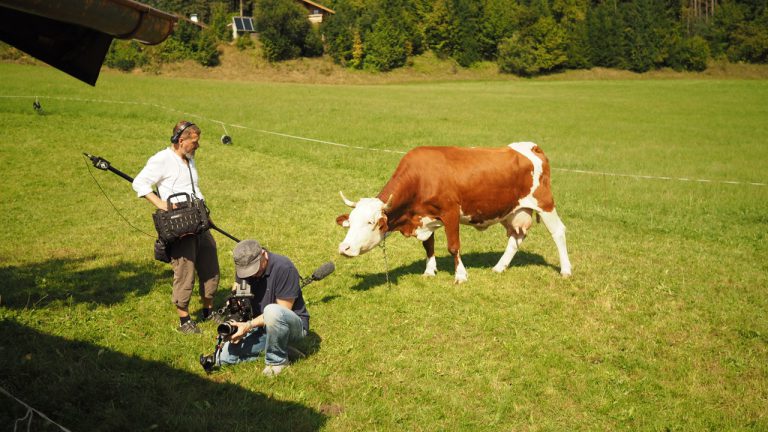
[(499, 269), (460, 280), (565, 274), (429, 274)]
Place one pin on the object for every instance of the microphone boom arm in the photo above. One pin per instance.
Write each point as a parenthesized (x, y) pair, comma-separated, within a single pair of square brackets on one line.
[(104, 165)]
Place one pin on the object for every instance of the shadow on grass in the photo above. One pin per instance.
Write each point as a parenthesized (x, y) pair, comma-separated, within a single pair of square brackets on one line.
[(473, 262), (310, 345), (41, 283), (85, 387)]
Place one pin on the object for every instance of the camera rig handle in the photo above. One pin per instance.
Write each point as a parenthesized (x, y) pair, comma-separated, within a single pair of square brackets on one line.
[(104, 165)]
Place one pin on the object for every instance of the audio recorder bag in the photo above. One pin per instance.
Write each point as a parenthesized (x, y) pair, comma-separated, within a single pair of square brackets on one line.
[(183, 218)]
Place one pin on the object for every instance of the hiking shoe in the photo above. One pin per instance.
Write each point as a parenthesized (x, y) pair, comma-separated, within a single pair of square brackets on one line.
[(189, 327), (215, 316), (274, 370)]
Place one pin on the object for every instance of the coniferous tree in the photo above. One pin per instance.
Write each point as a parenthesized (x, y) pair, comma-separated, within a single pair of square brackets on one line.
[(749, 42), (341, 31), (501, 18), (385, 46), (219, 18), (605, 28), (728, 15), (646, 29), (572, 16), (577, 48), (440, 28), (468, 16)]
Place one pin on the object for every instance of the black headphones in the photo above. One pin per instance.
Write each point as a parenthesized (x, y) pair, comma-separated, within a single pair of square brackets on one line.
[(177, 135)]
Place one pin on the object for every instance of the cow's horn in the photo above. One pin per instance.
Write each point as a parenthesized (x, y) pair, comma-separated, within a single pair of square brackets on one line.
[(346, 201), (388, 205)]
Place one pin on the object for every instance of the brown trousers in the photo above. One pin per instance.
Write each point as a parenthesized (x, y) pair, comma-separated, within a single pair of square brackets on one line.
[(189, 255)]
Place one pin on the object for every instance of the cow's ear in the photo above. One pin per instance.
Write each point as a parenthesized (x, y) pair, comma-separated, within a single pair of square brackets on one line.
[(382, 224), (343, 220)]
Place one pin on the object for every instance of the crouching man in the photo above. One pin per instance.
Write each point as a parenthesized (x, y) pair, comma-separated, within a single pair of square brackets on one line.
[(281, 317)]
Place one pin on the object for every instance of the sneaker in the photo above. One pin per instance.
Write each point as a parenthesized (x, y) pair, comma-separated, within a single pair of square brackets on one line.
[(274, 370), (189, 327)]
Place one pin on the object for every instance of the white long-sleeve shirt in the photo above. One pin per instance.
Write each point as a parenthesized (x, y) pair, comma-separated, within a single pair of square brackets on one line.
[(169, 173)]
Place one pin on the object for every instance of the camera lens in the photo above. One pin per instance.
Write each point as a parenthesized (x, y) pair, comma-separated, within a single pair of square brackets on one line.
[(226, 329)]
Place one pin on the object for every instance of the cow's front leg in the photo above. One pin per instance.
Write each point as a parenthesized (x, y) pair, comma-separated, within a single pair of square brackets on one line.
[(429, 248), (451, 223), (461, 272)]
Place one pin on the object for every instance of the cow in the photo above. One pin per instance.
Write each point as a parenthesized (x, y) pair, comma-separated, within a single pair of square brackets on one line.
[(435, 187)]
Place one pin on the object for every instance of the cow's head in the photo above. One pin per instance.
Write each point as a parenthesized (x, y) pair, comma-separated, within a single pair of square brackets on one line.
[(367, 225)]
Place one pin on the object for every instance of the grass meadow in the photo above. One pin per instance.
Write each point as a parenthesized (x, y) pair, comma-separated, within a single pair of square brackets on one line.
[(663, 326)]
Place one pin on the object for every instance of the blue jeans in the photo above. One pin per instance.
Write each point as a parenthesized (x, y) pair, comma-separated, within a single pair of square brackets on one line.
[(283, 326)]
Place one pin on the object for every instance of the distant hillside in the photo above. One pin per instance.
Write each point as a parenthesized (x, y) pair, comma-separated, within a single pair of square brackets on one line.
[(248, 65)]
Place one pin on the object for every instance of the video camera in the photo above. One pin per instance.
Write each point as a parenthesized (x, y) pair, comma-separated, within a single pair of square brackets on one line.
[(239, 307)]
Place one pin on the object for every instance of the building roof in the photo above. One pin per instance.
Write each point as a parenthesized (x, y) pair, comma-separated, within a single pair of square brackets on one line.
[(74, 35), (318, 5)]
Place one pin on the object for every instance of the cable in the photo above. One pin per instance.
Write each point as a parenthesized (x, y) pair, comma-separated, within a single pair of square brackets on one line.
[(113, 205), (30, 412)]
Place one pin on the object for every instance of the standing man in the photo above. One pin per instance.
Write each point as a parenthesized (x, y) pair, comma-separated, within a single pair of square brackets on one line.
[(278, 305), (173, 170)]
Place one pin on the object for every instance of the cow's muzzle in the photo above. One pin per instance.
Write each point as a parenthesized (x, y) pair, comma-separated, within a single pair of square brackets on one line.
[(347, 250)]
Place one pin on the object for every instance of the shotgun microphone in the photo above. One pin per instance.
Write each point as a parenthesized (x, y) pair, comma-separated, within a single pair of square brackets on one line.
[(323, 271)]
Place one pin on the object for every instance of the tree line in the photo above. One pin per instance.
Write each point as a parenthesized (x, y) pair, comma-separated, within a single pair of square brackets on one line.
[(524, 37)]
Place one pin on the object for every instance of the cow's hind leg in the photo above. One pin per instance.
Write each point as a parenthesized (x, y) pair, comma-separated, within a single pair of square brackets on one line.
[(429, 248), (517, 226), (557, 229)]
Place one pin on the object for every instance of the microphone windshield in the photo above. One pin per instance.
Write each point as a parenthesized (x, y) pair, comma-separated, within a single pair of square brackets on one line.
[(323, 271)]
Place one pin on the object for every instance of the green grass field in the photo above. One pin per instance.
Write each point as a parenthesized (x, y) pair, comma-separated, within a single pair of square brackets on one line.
[(663, 325)]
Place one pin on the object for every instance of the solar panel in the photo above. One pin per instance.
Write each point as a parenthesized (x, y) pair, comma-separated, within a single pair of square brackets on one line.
[(244, 24), (248, 24)]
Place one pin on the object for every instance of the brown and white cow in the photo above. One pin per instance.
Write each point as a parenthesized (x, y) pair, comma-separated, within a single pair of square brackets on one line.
[(435, 187)]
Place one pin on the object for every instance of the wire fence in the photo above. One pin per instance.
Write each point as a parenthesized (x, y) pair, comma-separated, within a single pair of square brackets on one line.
[(353, 147)]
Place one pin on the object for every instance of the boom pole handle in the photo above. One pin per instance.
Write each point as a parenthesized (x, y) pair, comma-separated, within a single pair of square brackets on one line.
[(214, 227)]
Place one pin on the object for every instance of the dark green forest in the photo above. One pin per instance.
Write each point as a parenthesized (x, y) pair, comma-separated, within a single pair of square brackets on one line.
[(524, 37)]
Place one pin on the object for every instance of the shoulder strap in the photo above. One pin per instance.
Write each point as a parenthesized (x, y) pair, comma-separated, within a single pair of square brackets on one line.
[(191, 180)]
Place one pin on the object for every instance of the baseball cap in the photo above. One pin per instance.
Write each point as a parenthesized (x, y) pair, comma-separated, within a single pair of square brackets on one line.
[(247, 255)]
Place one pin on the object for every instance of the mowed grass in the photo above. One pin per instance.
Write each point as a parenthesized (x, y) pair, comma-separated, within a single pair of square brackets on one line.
[(663, 325)]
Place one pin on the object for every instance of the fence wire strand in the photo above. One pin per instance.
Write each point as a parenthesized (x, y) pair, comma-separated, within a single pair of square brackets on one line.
[(331, 143)]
